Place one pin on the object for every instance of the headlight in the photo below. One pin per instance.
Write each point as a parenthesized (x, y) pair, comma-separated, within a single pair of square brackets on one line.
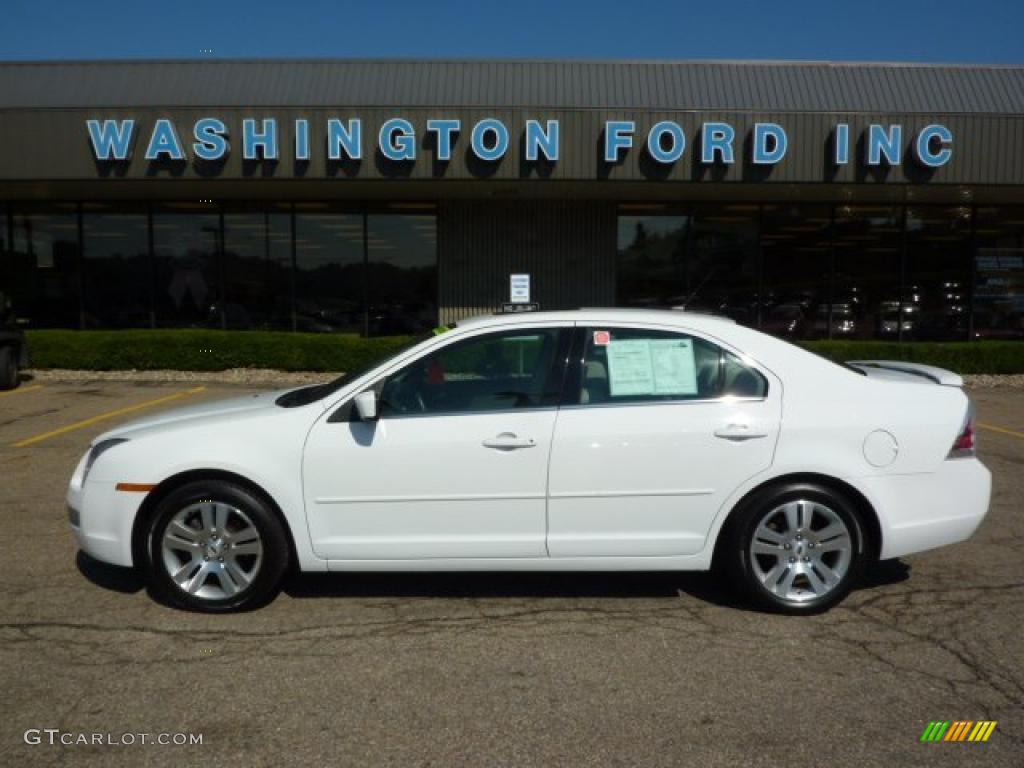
[(97, 450)]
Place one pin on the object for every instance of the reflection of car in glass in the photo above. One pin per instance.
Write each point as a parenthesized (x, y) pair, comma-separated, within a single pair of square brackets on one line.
[(13, 349), (785, 320), (990, 326), (892, 322), (952, 294), (394, 320), (229, 315), (587, 440), (942, 325), (843, 322)]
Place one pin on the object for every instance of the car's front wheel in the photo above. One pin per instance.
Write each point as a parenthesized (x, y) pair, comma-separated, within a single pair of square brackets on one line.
[(797, 548), (215, 546)]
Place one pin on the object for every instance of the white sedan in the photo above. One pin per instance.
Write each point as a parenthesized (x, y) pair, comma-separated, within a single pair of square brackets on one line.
[(588, 440)]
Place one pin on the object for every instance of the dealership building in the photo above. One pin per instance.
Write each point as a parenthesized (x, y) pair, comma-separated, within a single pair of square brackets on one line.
[(811, 200)]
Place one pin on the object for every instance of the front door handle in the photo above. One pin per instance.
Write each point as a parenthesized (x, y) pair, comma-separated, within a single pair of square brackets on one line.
[(739, 432), (507, 441)]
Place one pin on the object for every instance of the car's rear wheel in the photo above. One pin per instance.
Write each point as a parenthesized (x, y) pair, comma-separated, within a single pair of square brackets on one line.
[(215, 546), (8, 368), (797, 548)]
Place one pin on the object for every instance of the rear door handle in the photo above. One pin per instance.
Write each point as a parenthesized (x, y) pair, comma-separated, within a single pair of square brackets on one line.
[(507, 441), (739, 432)]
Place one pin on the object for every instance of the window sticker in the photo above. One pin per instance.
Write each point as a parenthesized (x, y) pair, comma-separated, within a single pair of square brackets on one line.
[(675, 372), (651, 367), (602, 338)]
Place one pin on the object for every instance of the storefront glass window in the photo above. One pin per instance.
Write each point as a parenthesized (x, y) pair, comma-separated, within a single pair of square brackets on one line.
[(116, 268), (722, 262), (866, 284), (258, 271), (7, 275), (936, 300), (186, 249), (651, 260), (796, 248), (999, 273), (401, 277), (42, 270), (329, 278)]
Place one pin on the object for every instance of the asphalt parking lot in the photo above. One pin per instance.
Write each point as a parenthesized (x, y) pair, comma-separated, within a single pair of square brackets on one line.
[(489, 670)]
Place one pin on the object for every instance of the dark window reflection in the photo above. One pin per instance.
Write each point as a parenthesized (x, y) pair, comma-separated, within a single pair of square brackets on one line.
[(796, 247), (868, 246), (651, 260), (257, 271), (721, 275), (401, 277), (116, 268), (706, 261), (41, 268), (936, 290), (329, 276), (186, 244), (999, 273), (7, 273)]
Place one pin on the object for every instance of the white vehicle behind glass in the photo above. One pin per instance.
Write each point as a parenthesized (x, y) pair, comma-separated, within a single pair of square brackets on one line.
[(586, 440)]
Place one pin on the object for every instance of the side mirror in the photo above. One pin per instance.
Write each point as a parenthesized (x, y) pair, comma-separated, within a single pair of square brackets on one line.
[(366, 405)]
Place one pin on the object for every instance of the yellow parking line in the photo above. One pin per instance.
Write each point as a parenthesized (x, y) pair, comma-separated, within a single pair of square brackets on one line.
[(105, 416), (1001, 429), (21, 389)]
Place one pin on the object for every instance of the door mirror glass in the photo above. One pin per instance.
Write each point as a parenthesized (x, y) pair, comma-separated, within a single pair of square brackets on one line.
[(366, 405)]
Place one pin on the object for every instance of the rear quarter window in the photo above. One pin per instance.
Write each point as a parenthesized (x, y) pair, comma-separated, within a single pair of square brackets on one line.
[(629, 365)]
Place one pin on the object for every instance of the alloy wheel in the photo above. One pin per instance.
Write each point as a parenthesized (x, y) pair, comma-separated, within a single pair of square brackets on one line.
[(211, 550), (801, 551)]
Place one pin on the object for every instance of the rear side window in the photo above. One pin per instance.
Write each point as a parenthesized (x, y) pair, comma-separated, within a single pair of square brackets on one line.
[(627, 365)]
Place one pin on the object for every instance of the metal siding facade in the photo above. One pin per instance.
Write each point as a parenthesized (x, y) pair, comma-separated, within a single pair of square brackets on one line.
[(567, 247), (763, 86), (43, 108)]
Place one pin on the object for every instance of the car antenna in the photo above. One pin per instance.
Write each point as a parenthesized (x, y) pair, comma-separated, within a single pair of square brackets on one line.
[(688, 299)]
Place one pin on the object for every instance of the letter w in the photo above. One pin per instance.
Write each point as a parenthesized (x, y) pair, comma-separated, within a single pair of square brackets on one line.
[(111, 139)]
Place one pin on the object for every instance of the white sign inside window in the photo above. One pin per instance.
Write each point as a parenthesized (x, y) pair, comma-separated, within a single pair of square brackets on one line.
[(651, 367), (519, 289)]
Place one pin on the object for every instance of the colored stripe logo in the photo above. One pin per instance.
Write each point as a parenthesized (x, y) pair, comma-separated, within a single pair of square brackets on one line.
[(959, 730)]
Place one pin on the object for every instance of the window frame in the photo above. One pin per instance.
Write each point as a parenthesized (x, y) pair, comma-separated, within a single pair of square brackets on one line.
[(572, 382), (554, 384)]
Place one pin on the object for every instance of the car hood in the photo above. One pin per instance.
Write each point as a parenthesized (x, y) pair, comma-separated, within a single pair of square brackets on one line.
[(215, 409)]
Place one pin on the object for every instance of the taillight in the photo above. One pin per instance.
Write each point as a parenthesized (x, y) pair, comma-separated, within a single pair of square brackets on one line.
[(965, 444)]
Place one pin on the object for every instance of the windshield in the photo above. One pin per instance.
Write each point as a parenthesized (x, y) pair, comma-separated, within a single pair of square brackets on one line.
[(310, 394)]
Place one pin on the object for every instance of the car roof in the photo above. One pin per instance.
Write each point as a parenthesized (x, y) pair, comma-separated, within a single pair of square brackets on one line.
[(677, 317)]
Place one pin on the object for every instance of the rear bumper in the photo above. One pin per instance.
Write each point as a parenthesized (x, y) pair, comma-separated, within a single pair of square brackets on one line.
[(924, 511)]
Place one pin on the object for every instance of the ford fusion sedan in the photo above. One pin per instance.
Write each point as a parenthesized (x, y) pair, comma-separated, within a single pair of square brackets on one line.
[(588, 440)]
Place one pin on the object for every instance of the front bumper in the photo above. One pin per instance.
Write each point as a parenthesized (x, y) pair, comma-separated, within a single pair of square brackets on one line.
[(104, 517), (924, 511)]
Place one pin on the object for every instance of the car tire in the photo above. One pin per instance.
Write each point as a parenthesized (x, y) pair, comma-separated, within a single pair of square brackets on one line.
[(797, 548), (8, 368), (215, 546)]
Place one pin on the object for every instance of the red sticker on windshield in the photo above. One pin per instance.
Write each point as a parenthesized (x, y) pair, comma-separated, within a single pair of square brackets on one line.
[(602, 338)]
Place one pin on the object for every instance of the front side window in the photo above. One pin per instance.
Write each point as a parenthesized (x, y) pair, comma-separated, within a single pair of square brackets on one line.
[(499, 371), (626, 365)]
